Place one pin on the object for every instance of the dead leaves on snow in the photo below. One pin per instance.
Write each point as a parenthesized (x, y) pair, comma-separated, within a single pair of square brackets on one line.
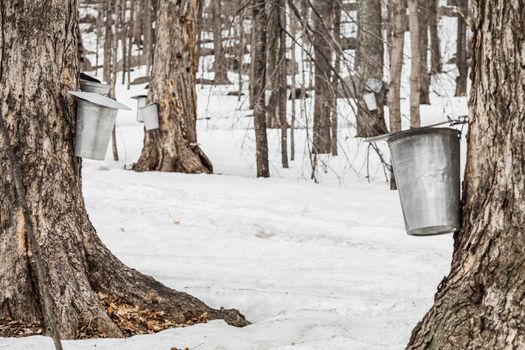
[(10, 328), (133, 320)]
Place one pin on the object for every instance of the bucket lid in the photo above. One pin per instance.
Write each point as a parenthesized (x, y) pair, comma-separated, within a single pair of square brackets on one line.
[(85, 77), (136, 97), (420, 131), (151, 105), (99, 100)]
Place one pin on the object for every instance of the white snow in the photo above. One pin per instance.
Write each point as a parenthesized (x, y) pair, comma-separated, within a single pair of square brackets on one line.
[(312, 266)]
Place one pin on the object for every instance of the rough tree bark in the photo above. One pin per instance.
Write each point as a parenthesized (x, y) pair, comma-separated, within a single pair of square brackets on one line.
[(479, 305), (324, 92), (173, 147), (37, 68), (415, 67), (371, 52), (398, 22), (461, 51)]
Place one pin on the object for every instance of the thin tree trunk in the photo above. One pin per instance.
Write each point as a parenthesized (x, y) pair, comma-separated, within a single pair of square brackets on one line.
[(100, 13), (258, 85), (293, 31), (107, 40), (435, 44), (324, 93), (148, 35), (423, 50), (371, 52), (220, 66), (461, 52), (335, 80), (114, 70), (241, 49), (84, 278), (174, 147), (252, 65), (283, 86), (479, 305), (131, 25), (398, 9), (415, 68), (124, 24), (272, 59)]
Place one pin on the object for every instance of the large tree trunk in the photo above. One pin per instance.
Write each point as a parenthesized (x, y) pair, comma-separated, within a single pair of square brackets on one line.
[(258, 86), (371, 52), (324, 93), (38, 67), (479, 305), (173, 147)]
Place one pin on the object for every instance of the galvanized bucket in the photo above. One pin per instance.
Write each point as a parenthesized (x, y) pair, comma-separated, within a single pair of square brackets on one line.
[(96, 88), (141, 102), (426, 164), (150, 115), (370, 101), (96, 116)]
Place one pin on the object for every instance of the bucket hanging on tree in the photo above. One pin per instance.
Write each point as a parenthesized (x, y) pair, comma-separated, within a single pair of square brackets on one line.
[(426, 163), (141, 102), (96, 116), (150, 116)]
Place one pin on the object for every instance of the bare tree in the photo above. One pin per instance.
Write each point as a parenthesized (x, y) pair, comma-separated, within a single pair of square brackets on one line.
[(398, 22), (461, 52), (40, 66), (258, 86), (435, 43), (174, 147), (283, 85), (415, 68), (479, 305), (324, 93), (337, 67), (219, 66), (370, 122), (424, 77)]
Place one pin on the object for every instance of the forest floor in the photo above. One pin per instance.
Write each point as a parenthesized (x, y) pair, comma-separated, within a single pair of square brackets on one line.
[(312, 266)]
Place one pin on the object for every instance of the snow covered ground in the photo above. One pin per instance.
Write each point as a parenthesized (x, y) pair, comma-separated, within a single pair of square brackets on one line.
[(312, 266)]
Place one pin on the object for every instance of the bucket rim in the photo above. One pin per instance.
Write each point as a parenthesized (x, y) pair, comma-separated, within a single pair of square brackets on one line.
[(421, 131)]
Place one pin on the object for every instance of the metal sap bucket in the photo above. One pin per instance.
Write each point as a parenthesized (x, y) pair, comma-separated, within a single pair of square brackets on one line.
[(141, 102), (94, 87), (96, 116), (426, 164), (150, 115)]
